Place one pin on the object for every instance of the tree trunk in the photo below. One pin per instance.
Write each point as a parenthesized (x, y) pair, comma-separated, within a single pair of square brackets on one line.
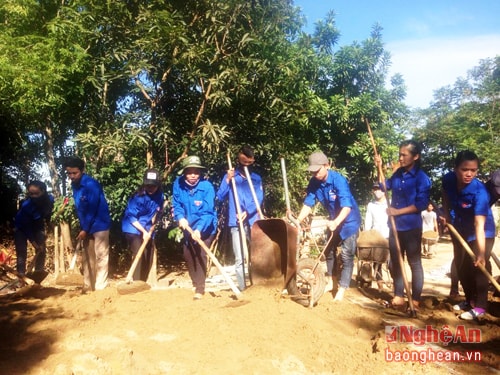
[(62, 265), (66, 240), (49, 148), (56, 250)]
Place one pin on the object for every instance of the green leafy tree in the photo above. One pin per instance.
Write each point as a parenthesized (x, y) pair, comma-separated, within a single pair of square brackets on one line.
[(463, 116)]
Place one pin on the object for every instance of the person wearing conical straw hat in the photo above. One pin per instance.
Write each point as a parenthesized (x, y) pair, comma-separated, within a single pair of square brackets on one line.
[(193, 201)]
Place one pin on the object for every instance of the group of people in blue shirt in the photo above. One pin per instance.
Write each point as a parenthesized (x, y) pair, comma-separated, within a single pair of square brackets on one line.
[(464, 196), (94, 220), (193, 203)]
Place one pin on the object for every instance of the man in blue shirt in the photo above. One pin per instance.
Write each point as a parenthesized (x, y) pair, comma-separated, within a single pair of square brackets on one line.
[(93, 214), (248, 208), (332, 190)]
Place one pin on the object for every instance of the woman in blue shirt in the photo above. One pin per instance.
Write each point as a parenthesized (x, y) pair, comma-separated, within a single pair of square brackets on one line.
[(468, 198), (138, 220), (410, 188), (194, 206), (29, 225)]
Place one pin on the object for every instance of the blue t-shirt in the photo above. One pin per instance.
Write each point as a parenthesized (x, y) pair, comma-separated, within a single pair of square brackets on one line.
[(409, 188), (91, 206), (142, 207), (245, 197), (471, 201), (334, 194), (30, 217), (196, 204)]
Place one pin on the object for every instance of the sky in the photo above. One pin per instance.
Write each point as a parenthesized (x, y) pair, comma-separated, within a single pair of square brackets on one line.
[(432, 43)]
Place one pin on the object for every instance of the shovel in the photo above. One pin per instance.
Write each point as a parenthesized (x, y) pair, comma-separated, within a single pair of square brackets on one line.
[(394, 229), (215, 261), (36, 275), (71, 278), (243, 237), (22, 277), (130, 285), (467, 248)]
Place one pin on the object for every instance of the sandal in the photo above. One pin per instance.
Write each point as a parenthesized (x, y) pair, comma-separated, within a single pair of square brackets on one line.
[(462, 306), (472, 314), (398, 306)]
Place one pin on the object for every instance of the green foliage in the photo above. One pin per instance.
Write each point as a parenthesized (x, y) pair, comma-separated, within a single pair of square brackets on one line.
[(463, 116), (129, 85)]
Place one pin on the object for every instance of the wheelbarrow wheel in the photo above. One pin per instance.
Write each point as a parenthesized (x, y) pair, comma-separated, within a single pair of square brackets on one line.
[(308, 282)]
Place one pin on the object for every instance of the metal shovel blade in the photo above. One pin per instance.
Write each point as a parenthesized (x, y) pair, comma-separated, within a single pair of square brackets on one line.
[(37, 276)]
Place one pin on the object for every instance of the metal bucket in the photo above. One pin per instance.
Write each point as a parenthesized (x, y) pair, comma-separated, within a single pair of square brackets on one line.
[(273, 249)]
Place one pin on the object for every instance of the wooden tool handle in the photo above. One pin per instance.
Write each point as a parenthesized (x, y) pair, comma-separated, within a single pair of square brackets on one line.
[(467, 248), (202, 244)]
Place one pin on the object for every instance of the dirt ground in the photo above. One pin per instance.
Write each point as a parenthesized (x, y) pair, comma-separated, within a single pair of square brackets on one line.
[(51, 329)]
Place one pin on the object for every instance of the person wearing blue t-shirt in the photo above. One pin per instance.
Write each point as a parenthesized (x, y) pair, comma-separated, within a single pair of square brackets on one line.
[(493, 187), (410, 188), (248, 207), (194, 206), (95, 221), (469, 200), (29, 225), (332, 190), (144, 206)]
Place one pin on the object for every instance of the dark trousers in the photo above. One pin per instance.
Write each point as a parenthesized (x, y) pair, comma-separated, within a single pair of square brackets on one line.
[(474, 281), (458, 254), (21, 243), (146, 261), (409, 242), (196, 260)]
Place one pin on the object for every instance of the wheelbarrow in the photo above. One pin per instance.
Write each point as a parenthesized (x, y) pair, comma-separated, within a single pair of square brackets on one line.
[(373, 256), (429, 238), (273, 258), (273, 248), (273, 252)]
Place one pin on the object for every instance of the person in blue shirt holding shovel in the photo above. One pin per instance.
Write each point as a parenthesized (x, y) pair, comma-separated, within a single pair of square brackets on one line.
[(194, 209), (142, 208), (410, 188), (247, 207), (95, 221), (332, 190), (469, 200), (29, 225)]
